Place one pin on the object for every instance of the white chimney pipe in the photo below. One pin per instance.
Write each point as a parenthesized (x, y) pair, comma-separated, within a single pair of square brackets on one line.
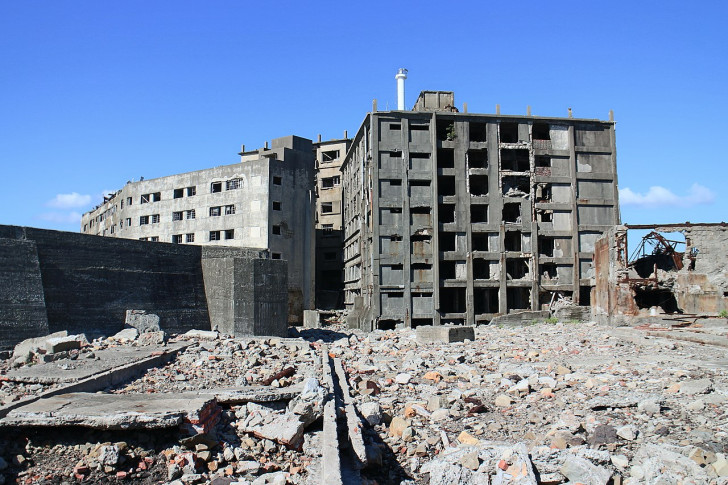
[(400, 77)]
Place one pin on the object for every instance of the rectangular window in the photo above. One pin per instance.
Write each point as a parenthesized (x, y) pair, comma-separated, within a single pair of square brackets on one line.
[(215, 211), (277, 180), (128, 222), (128, 201), (233, 184), (276, 230), (177, 216), (191, 191), (275, 256), (177, 238), (216, 187), (178, 193), (330, 182), (190, 214), (229, 209), (329, 156), (276, 205), (122, 204), (144, 239), (229, 233), (121, 225), (190, 237), (145, 198), (112, 229), (214, 235), (155, 218), (327, 207), (156, 196), (143, 220), (154, 238)]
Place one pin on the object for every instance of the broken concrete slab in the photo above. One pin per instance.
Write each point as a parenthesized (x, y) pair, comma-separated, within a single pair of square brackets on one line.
[(311, 319), (444, 334), (202, 334), (255, 394), (24, 348), (62, 344), (518, 318), (116, 411), (142, 321), (126, 334)]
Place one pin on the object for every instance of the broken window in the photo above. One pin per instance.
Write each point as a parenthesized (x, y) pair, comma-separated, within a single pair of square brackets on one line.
[(478, 213), (156, 196), (190, 214), (144, 199), (446, 158), (229, 233), (544, 215), (479, 241), (481, 269), (420, 216), (478, 132), (543, 193), (508, 132), (128, 201), (516, 186), (445, 130), (478, 159), (446, 185), (276, 230), (420, 188), (446, 213), (177, 216), (452, 300), (648, 297), (190, 237), (155, 218), (512, 241), (277, 180), (154, 238), (233, 184), (546, 246), (276, 205), (419, 126), (191, 191), (421, 322), (420, 162), (329, 156), (177, 238), (327, 207), (421, 245), (447, 270), (178, 193), (446, 241), (395, 126), (516, 268), (585, 295), (229, 209), (275, 256), (515, 160), (518, 298), (541, 131), (512, 213), (330, 182), (478, 185), (216, 187), (128, 222), (543, 161), (215, 211), (214, 235), (485, 300), (548, 271)]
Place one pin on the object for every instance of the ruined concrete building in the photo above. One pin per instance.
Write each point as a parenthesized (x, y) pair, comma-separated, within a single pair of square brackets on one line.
[(456, 217), (329, 236), (685, 274), (265, 202)]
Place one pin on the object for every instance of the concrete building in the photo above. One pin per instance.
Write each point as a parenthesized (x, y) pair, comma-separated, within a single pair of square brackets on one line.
[(266, 201), (329, 235), (456, 217)]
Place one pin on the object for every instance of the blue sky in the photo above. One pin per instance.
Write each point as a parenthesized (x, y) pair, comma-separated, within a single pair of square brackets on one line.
[(93, 94)]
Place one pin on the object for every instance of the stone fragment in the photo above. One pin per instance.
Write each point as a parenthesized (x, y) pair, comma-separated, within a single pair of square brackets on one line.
[(468, 439), (202, 334), (515, 467), (579, 470), (27, 347), (152, 338), (627, 432), (142, 321), (697, 386), (649, 406), (620, 461), (276, 478), (372, 412), (397, 426), (126, 334), (721, 467), (403, 378), (602, 435), (470, 460), (440, 415), (61, 344), (503, 401)]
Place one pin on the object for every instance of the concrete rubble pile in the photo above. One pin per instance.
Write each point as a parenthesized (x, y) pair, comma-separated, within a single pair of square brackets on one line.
[(537, 404)]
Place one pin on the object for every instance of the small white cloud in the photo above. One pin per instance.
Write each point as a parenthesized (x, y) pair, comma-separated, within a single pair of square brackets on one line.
[(658, 196), (61, 217), (69, 201)]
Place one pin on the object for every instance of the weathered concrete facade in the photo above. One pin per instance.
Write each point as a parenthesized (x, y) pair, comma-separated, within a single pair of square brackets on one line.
[(329, 235), (691, 279), (264, 202), (457, 218), (52, 280)]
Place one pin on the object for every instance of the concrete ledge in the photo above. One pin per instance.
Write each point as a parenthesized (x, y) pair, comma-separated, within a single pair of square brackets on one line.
[(525, 317), (330, 453), (444, 334)]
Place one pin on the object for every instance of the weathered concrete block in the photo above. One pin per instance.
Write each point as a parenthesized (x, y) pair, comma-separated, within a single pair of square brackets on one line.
[(152, 338), (525, 317), (60, 344), (444, 334), (142, 321), (29, 345), (571, 313), (311, 319)]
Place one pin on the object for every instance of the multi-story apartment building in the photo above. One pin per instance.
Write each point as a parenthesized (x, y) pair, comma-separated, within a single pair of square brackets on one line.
[(265, 201), (329, 235), (456, 217)]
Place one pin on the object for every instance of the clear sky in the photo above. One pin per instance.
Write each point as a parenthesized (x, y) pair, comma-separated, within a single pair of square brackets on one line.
[(93, 93)]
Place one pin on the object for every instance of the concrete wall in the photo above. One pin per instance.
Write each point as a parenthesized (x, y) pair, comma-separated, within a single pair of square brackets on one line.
[(22, 306), (52, 280)]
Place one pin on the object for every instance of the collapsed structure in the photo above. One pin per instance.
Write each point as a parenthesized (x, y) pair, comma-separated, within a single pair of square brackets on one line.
[(457, 217), (685, 278)]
